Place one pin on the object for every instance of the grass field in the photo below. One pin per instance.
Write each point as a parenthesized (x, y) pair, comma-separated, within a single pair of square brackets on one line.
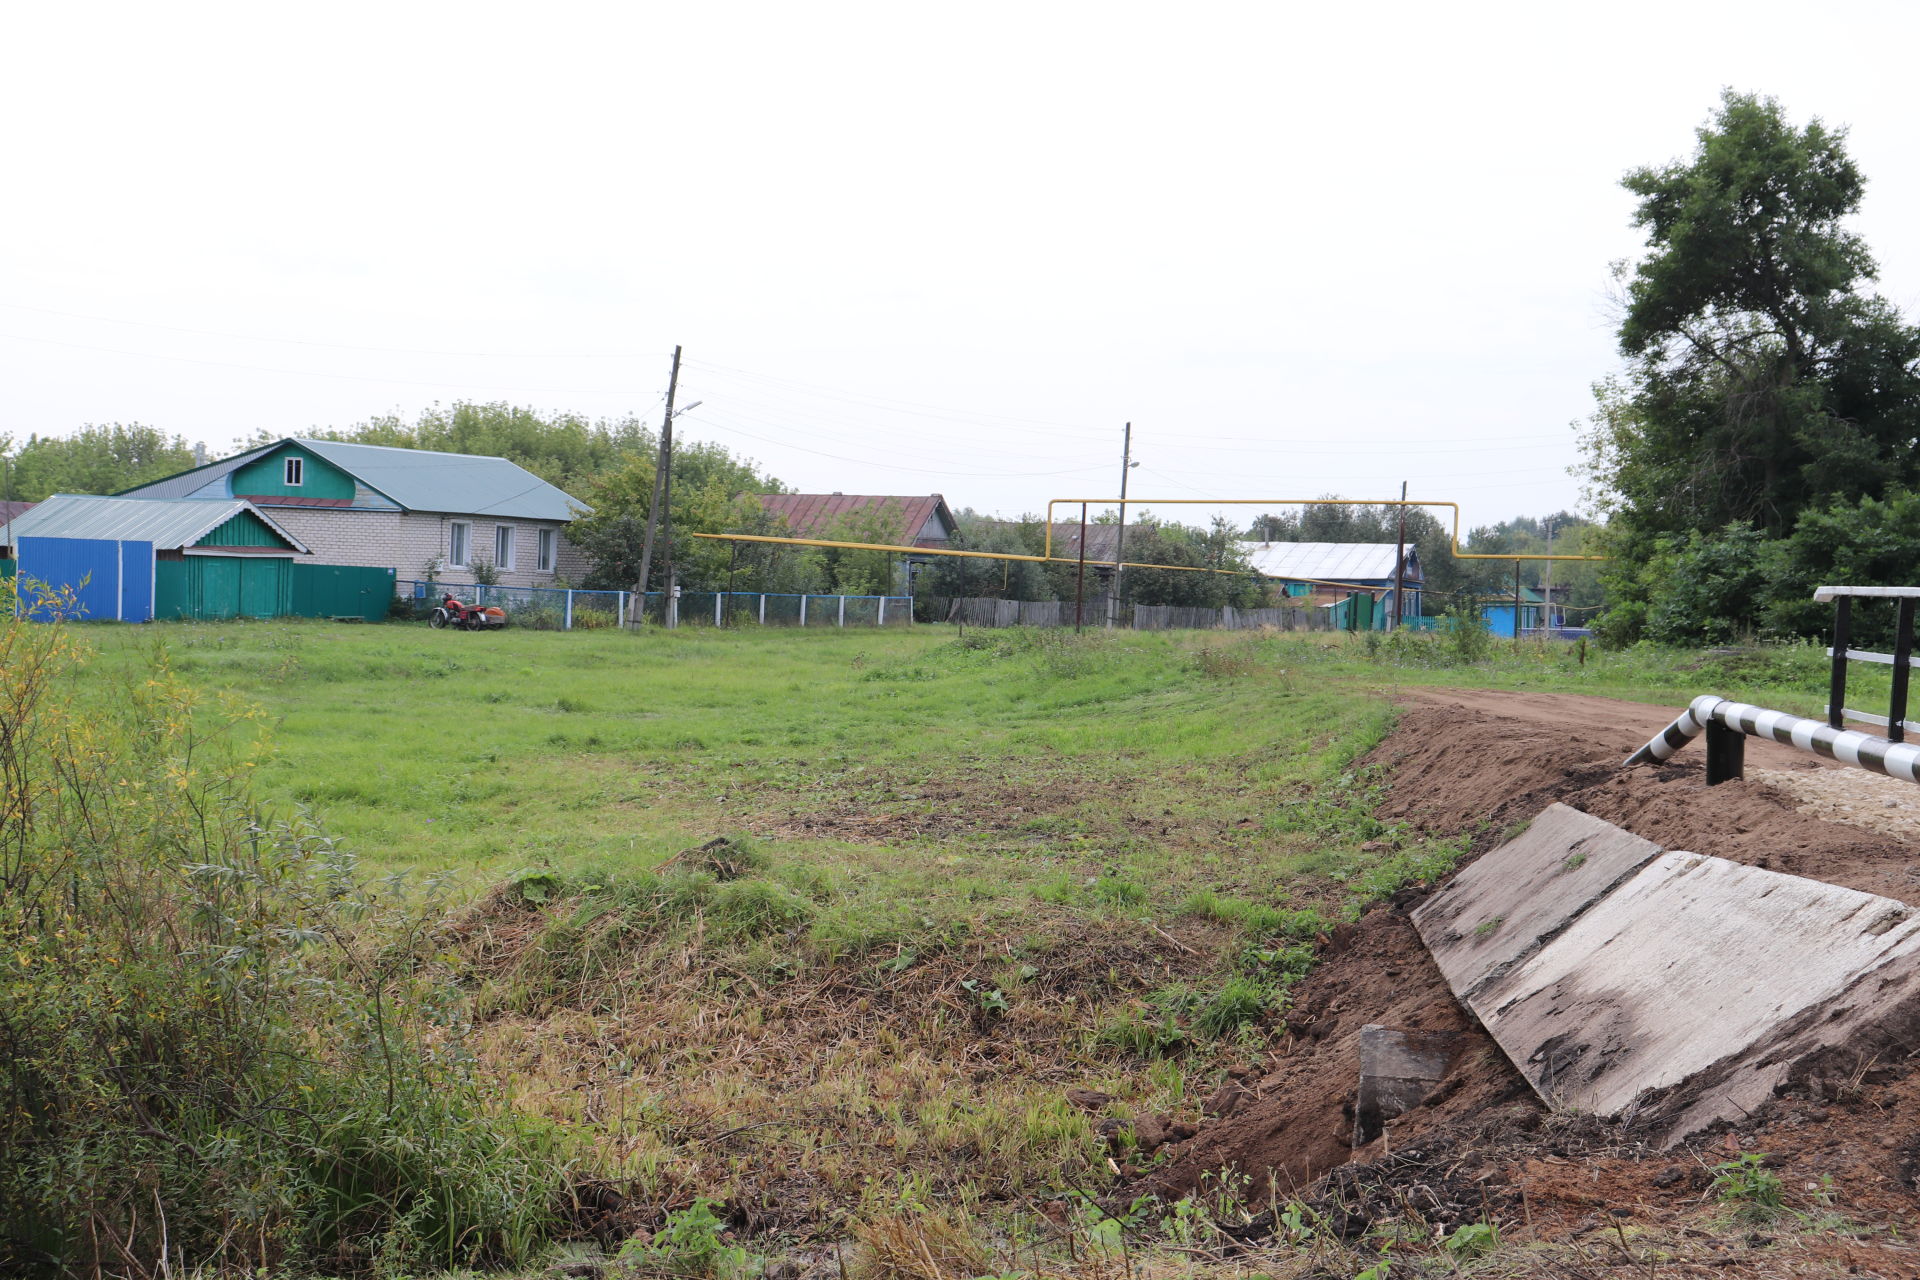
[(963, 874)]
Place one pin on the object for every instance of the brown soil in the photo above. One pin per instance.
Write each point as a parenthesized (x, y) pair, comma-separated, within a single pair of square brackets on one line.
[(1478, 764)]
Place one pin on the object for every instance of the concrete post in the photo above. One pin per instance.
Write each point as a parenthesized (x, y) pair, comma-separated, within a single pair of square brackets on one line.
[(568, 625), (763, 608), (883, 612), (803, 609), (843, 612)]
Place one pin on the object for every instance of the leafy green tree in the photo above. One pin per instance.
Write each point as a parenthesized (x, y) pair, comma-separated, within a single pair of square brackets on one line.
[(959, 576), (1765, 379), (712, 493), (564, 449), (95, 459), (1698, 588), (1763, 374), (1216, 547), (843, 571), (1866, 541)]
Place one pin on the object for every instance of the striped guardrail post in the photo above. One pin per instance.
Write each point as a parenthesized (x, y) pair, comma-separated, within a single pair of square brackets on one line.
[(1716, 715)]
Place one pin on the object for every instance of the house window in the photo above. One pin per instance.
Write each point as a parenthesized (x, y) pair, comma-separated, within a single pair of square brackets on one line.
[(503, 546), (548, 541), (459, 543), (296, 471)]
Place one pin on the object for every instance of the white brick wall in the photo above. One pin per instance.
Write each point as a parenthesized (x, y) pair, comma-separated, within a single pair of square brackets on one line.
[(406, 541)]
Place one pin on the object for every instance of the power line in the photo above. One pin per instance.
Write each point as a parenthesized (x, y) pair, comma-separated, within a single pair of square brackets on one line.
[(711, 421), (337, 346), (308, 373)]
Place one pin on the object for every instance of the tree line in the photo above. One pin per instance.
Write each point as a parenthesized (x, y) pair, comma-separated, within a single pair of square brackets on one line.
[(1762, 438), (608, 464)]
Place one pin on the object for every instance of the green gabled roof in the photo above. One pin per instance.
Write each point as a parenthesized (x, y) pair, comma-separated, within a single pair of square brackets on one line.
[(169, 524), (456, 483), (417, 479)]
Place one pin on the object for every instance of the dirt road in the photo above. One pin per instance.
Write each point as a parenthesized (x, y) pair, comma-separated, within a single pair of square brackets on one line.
[(1620, 727)]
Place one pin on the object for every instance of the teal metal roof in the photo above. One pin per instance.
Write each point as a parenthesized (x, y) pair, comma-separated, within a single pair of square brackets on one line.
[(456, 483), (417, 479), (169, 524)]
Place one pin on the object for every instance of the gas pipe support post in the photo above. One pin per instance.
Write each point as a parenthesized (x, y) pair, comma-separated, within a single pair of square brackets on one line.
[(1902, 655), (1837, 683), (1080, 579)]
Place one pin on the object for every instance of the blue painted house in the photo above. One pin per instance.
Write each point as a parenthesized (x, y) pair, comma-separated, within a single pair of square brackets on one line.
[(1499, 611)]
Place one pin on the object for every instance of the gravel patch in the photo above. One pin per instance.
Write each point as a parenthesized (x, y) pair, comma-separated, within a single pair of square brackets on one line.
[(1853, 796)]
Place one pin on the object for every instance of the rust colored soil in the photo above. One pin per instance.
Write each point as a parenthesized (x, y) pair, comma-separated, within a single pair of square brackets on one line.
[(1479, 764)]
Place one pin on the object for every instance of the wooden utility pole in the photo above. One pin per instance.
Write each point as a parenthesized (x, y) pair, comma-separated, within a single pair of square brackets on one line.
[(660, 468), (1400, 564)]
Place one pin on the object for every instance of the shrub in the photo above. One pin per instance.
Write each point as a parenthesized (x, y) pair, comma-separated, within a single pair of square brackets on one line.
[(215, 1043)]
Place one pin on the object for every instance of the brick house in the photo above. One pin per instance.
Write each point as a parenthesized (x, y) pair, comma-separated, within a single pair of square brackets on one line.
[(399, 509)]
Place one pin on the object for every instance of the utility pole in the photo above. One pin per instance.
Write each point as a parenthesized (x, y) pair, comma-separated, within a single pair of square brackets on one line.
[(660, 469), (1120, 537), (1400, 564)]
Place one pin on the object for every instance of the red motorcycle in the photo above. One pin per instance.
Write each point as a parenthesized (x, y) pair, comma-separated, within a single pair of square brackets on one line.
[(468, 617)]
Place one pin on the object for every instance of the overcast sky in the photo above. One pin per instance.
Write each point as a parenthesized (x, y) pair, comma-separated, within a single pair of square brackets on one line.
[(908, 247)]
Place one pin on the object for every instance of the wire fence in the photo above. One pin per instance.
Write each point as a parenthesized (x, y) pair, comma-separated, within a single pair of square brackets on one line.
[(559, 609)]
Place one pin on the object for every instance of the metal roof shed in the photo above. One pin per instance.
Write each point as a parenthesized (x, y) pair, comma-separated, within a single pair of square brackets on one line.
[(132, 559)]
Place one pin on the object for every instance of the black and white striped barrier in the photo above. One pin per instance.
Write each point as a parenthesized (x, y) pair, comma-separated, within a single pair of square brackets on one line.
[(1728, 724)]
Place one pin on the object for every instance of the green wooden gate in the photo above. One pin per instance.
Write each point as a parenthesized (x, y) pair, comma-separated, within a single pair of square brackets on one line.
[(214, 587), (210, 587), (341, 591)]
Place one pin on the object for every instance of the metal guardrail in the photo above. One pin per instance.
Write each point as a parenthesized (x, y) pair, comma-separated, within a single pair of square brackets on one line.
[(1729, 724), (1901, 659)]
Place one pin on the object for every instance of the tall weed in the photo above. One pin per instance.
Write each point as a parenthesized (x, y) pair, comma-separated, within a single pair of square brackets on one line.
[(218, 1046)]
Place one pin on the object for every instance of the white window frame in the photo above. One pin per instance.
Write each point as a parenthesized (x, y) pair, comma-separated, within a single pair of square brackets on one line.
[(459, 543), (547, 550), (294, 472), (503, 540)]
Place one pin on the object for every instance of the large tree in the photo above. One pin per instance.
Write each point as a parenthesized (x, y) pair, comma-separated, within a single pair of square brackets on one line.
[(1763, 374), (102, 458), (712, 493), (564, 449)]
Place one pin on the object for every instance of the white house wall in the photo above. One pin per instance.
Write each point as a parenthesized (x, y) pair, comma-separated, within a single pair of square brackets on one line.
[(408, 541)]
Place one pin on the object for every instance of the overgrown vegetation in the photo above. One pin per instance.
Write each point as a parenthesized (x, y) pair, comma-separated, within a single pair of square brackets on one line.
[(1761, 436), (762, 935), (215, 1047)]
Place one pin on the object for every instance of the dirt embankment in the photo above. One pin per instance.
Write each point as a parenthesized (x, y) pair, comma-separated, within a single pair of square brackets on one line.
[(1479, 764)]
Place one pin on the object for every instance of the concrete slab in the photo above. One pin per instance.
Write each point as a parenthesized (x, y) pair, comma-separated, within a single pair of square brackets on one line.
[(1677, 989), (1504, 907), (1398, 1071), (1698, 965)]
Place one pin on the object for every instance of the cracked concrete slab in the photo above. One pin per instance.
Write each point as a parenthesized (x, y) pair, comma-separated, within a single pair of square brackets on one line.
[(1679, 988), (1503, 908)]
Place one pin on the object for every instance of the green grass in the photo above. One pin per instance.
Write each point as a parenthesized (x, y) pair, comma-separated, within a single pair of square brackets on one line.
[(486, 754), (963, 870), (1097, 858)]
